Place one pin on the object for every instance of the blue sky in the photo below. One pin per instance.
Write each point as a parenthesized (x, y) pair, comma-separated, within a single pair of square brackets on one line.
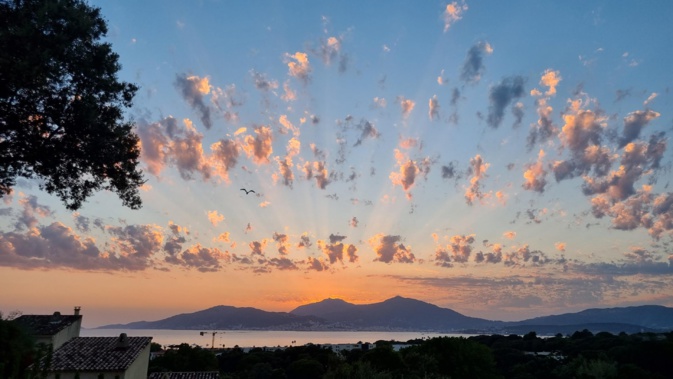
[(503, 159)]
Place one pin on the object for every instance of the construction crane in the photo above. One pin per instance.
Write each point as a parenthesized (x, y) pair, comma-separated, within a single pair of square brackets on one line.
[(212, 344)]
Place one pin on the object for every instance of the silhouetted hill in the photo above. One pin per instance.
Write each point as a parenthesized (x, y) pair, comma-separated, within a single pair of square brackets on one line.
[(395, 313), (646, 316), (403, 314), (323, 309), (226, 317)]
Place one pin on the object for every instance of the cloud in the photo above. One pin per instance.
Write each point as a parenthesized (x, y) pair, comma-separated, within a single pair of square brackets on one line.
[(353, 222), (406, 106), (192, 88), (299, 66), (388, 249), (473, 67), (378, 102), (330, 51), (335, 250), (650, 98), (304, 241), (501, 95), (215, 218), (509, 234), (282, 242), (452, 13), (408, 171), (288, 93), (582, 134), (287, 126), (203, 259), (493, 256), (285, 170), (458, 250), (433, 108), (57, 246), (282, 263), (138, 241), (634, 122), (317, 264), (544, 129), (186, 153), (224, 157), (477, 171), (31, 209), (262, 83), (226, 100), (551, 79), (523, 255), (535, 175), (154, 143), (318, 171), (560, 246), (81, 223), (224, 237), (259, 147), (643, 209), (368, 131), (257, 247), (638, 159)]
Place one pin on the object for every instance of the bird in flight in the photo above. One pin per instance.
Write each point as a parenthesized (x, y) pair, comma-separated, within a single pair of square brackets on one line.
[(248, 191)]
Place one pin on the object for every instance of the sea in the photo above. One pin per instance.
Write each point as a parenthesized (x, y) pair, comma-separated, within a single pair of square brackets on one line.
[(261, 338)]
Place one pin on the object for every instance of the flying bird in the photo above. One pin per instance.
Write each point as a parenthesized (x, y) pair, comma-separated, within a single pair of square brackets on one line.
[(248, 191)]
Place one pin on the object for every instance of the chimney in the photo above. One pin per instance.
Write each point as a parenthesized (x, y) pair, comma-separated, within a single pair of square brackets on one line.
[(122, 342), (77, 308)]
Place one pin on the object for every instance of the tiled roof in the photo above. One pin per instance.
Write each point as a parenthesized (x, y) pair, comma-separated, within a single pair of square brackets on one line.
[(185, 375), (47, 325), (98, 354)]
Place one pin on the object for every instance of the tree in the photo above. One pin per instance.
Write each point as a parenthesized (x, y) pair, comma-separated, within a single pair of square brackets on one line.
[(16, 350), (61, 104)]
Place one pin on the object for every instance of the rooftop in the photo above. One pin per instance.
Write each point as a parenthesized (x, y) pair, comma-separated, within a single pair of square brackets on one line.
[(47, 325), (184, 375), (98, 353)]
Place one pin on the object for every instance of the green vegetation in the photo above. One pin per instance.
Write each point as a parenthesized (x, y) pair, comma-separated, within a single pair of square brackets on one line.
[(582, 355), (61, 104)]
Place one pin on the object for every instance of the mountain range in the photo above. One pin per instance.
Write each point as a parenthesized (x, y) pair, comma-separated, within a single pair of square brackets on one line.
[(404, 314)]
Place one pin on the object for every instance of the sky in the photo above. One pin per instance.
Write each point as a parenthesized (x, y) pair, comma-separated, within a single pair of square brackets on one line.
[(506, 160)]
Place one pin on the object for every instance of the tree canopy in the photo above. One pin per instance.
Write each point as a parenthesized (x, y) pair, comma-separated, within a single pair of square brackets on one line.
[(61, 104)]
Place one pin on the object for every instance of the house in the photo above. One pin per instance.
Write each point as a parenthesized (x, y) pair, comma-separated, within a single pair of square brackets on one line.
[(185, 375), (120, 357), (54, 330)]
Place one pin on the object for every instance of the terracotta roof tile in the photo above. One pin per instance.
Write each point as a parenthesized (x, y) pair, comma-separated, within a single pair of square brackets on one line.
[(46, 325), (184, 375), (98, 354)]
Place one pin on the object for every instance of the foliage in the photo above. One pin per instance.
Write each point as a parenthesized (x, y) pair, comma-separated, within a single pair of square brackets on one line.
[(582, 356), (16, 350), (185, 358), (61, 104)]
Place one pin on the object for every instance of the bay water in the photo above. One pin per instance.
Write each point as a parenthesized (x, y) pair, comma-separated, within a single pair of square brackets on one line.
[(261, 338)]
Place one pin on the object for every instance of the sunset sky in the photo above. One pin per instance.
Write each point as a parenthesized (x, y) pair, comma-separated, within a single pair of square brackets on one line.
[(503, 159)]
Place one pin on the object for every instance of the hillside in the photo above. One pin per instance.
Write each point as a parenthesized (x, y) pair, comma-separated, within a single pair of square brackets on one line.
[(404, 314)]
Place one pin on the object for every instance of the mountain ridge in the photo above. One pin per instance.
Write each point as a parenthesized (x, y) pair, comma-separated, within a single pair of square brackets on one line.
[(406, 314)]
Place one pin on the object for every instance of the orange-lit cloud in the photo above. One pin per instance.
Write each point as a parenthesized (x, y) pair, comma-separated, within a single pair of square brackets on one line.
[(452, 13), (535, 175), (259, 147), (215, 218), (477, 172), (389, 249), (299, 66)]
